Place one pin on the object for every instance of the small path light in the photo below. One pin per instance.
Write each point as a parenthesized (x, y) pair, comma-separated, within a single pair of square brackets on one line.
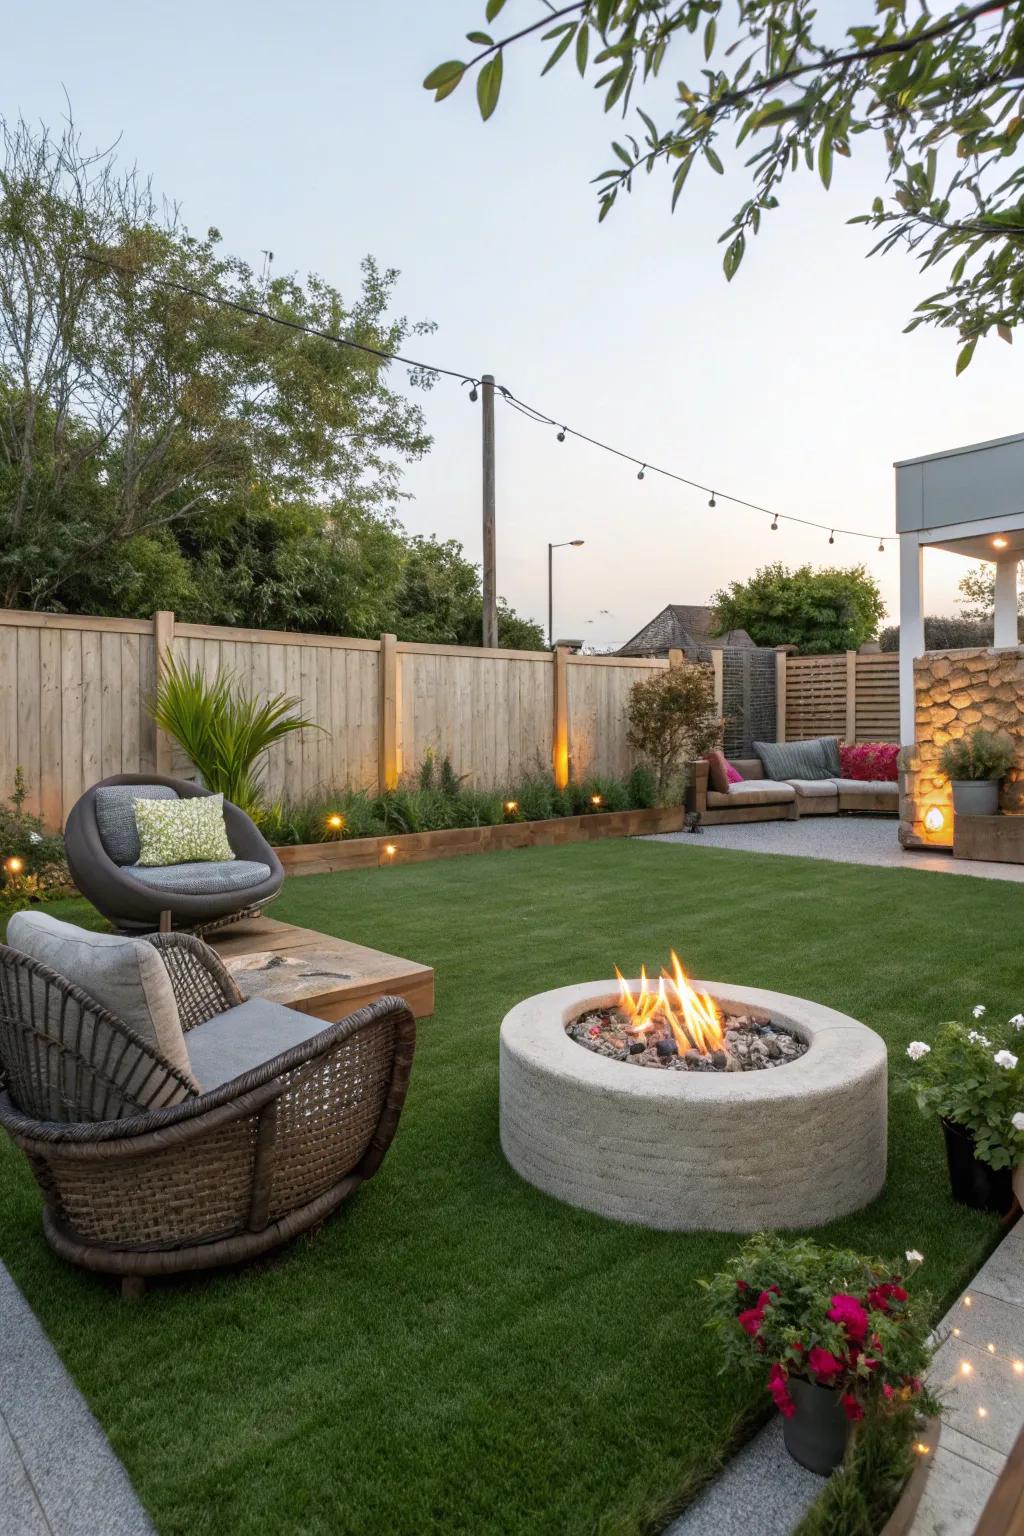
[(336, 822), (933, 819), (597, 801), (14, 865)]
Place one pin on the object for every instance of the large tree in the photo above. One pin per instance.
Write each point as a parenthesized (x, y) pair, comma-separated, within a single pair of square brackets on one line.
[(820, 611), (978, 592), (943, 92)]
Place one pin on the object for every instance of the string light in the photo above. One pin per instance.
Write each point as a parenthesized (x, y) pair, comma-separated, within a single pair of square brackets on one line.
[(881, 547), (533, 413), (966, 1368), (775, 523), (982, 1413)]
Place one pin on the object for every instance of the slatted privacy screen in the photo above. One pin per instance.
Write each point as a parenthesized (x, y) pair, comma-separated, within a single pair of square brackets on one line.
[(878, 697), (853, 696)]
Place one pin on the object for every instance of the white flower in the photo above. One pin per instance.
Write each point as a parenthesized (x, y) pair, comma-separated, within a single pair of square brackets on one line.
[(913, 1257), (916, 1049), (1018, 1121), (978, 1010), (37, 837), (979, 1039), (1018, 1021), (1005, 1059)]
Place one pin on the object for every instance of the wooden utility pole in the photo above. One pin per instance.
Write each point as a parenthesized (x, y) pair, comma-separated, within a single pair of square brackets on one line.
[(490, 635)]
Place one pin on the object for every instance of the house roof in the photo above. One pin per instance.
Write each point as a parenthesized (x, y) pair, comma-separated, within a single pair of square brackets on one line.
[(684, 627)]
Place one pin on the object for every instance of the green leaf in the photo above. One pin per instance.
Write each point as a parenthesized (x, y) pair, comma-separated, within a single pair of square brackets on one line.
[(444, 74), (679, 179), (623, 156), (713, 160), (966, 353), (582, 44), (709, 38), (488, 86), (825, 158), (481, 38), (560, 47), (733, 256), (493, 7)]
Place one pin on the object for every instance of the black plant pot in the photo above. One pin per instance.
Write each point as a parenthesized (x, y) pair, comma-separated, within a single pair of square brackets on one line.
[(817, 1434), (973, 1182)]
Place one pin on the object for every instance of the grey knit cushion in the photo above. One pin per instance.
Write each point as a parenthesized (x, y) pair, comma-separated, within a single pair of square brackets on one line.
[(115, 816), (830, 746), (793, 759), (203, 879), (245, 1037)]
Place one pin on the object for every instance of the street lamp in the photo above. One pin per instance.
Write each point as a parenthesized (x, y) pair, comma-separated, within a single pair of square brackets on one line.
[(566, 544)]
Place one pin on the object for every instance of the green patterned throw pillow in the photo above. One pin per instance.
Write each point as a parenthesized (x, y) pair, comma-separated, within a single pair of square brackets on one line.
[(188, 831)]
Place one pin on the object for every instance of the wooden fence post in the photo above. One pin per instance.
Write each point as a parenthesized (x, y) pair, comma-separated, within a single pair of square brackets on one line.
[(387, 723), (560, 733), (163, 641), (717, 671), (851, 698), (781, 657), (675, 659)]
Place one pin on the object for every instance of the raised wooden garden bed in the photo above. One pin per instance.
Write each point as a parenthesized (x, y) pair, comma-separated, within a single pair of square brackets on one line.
[(414, 847)]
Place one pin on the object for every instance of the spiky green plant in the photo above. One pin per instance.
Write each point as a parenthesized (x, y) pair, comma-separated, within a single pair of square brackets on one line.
[(225, 730)]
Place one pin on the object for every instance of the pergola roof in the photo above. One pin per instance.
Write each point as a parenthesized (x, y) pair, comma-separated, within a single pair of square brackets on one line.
[(963, 498)]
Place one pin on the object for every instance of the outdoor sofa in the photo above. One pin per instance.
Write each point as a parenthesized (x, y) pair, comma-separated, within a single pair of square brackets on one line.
[(784, 782), (101, 841), (170, 1123)]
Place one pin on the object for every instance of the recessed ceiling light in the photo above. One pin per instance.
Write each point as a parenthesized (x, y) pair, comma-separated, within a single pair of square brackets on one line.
[(999, 542)]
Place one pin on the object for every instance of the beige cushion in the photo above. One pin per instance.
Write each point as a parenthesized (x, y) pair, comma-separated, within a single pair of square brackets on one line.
[(868, 787), (750, 767), (125, 976), (811, 789), (752, 792)]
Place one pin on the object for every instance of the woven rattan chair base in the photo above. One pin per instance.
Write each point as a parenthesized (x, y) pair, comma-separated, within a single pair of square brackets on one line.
[(220, 1252)]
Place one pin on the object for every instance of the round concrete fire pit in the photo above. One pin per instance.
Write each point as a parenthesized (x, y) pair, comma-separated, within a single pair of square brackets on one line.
[(737, 1152)]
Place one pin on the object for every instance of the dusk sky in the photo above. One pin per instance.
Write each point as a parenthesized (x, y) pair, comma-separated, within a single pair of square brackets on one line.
[(305, 130)]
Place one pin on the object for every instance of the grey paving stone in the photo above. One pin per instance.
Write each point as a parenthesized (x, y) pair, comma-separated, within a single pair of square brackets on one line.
[(81, 1486), (21, 1513), (1002, 1275), (954, 1496), (841, 839), (987, 1402), (762, 1492), (972, 1450), (983, 1321)]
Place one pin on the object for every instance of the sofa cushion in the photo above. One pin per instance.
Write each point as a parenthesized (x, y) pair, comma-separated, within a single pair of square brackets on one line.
[(721, 773), (202, 878), (813, 789), (182, 831), (830, 750), (874, 761), (752, 792), (245, 1037), (793, 759), (884, 787), (125, 976), (115, 816)]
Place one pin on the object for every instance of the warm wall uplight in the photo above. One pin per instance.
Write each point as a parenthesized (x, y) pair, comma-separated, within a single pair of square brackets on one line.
[(14, 865), (934, 819), (390, 850), (999, 542)]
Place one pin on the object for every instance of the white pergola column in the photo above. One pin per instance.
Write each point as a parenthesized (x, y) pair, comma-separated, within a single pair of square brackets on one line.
[(911, 628), (1006, 602)]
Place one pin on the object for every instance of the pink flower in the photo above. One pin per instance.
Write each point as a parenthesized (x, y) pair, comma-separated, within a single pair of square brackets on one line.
[(852, 1408), (823, 1364), (848, 1311), (780, 1392), (886, 1390), (750, 1321), (741, 1285), (880, 1296)]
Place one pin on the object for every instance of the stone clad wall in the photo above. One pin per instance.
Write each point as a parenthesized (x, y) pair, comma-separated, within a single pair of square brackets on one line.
[(954, 692)]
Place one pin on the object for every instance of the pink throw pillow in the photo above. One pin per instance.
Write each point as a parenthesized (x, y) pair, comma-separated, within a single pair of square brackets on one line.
[(732, 774), (871, 761)]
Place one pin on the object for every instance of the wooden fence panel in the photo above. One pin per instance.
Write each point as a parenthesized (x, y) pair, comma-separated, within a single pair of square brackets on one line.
[(598, 698), (855, 697), (878, 697), (815, 697)]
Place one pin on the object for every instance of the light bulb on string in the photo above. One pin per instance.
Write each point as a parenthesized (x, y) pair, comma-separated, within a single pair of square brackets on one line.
[(561, 436), (832, 537), (881, 546), (641, 474), (775, 523), (712, 502), (473, 393)]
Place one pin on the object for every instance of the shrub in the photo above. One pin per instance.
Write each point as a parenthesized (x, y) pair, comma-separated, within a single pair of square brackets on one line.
[(824, 1315), (672, 718), (981, 755), (309, 820), (225, 730), (642, 788), (974, 1076), (39, 867), (871, 760)]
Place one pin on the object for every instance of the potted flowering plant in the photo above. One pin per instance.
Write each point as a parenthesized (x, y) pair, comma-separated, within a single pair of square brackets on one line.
[(972, 1077), (839, 1335), (974, 765)]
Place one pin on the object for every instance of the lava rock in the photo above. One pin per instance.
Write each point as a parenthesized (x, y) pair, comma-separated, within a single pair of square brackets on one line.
[(718, 1060), (636, 1047), (667, 1048)]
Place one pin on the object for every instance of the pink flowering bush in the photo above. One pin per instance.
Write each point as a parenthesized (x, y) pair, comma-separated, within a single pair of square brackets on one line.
[(871, 760), (827, 1316)]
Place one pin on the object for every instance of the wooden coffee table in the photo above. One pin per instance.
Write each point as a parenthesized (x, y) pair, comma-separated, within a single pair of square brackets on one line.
[(315, 973)]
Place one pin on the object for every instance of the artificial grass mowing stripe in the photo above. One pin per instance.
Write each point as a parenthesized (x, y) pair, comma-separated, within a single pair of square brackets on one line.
[(455, 1352)]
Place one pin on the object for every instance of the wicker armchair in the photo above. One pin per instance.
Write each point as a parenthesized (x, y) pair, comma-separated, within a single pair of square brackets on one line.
[(160, 1178)]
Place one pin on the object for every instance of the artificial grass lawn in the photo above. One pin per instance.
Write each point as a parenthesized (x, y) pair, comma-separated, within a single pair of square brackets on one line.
[(455, 1352)]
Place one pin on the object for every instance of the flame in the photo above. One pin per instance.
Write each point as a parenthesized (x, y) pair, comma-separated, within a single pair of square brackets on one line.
[(691, 1016)]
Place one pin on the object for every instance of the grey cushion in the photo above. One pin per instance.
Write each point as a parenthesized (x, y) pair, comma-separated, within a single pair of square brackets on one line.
[(830, 747), (793, 759), (814, 789), (244, 1037), (868, 787), (125, 976), (115, 816), (204, 879), (752, 792)]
